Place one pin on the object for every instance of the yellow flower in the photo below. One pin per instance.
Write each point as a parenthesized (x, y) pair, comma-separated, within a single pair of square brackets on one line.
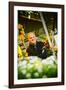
[(21, 37), (20, 56)]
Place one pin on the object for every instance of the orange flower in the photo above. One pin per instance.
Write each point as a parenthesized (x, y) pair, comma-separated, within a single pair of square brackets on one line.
[(20, 26)]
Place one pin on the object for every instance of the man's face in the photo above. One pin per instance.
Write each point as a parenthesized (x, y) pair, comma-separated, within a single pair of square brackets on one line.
[(32, 38)]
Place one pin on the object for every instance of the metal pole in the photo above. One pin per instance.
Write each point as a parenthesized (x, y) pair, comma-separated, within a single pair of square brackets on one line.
[(46, 31)]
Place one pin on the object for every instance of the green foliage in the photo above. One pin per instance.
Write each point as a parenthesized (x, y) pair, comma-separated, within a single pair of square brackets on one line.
[(36, 69)]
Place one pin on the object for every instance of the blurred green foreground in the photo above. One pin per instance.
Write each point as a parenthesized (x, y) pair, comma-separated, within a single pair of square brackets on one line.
[(37, 68)]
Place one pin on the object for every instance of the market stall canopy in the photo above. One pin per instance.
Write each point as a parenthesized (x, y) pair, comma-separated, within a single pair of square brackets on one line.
[(32, 19)]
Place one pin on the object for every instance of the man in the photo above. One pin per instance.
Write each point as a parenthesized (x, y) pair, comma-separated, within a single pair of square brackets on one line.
[(36, 48)]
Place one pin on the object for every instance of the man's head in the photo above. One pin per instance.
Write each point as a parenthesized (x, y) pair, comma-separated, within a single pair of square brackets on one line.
[(31, 38)]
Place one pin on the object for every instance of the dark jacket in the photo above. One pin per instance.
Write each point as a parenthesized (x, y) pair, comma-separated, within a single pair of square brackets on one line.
[(37, 50)]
